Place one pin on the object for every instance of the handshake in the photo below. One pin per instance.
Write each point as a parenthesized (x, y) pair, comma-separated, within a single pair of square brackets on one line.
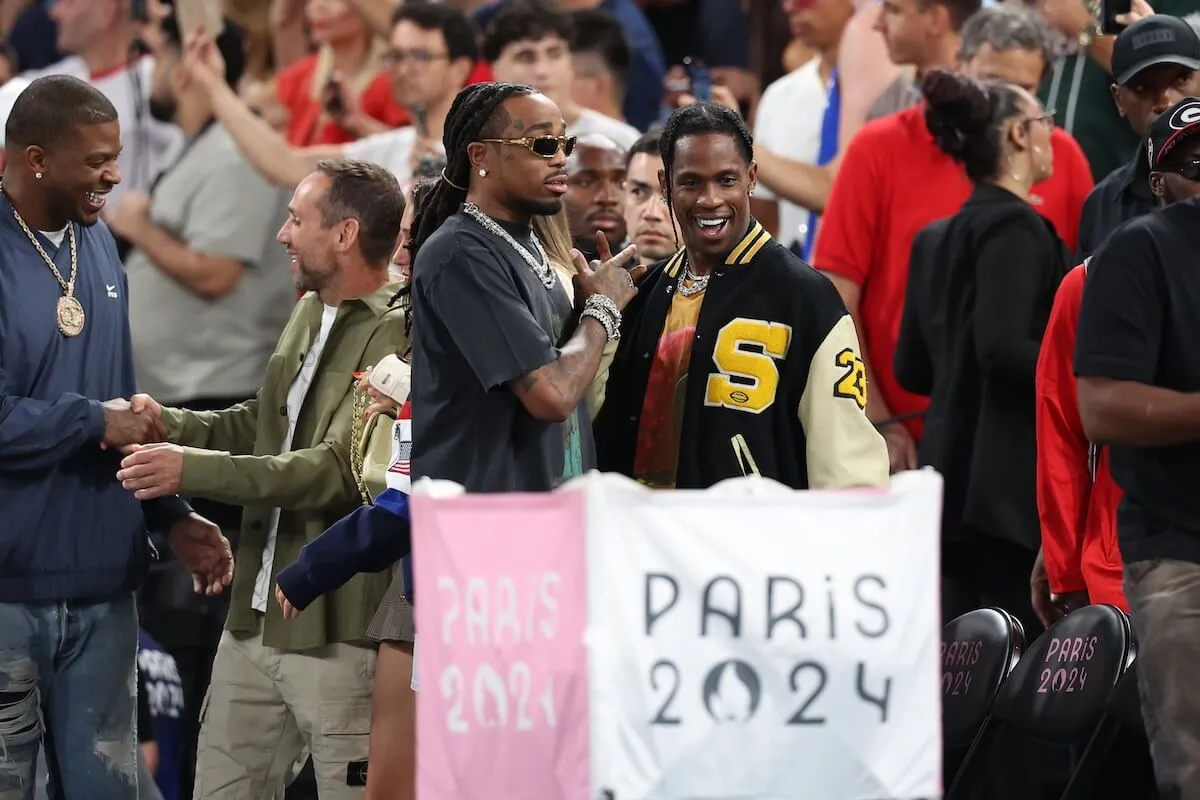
[(151, 467), (132, 422)]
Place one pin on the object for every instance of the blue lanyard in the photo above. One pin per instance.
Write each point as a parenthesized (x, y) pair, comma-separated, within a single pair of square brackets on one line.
[(827, 151)]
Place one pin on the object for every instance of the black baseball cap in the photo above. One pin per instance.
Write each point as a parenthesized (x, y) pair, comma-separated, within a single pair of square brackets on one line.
[(1172, 127), (1151, 41)]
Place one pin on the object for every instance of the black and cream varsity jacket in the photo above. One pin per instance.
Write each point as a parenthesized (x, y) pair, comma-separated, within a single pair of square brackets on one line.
[(776, 386)]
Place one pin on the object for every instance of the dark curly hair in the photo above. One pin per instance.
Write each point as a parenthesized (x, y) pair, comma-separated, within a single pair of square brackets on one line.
[(418, 196), (964, 117), (701, 118), (473, 116)]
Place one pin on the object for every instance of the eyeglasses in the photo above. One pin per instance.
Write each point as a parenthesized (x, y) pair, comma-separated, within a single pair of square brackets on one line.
[(1189, 171), (392, 58), (542, 146), (1044, 117)]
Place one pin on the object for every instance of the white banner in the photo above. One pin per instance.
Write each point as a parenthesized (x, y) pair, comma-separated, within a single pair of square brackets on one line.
[(764, 645)]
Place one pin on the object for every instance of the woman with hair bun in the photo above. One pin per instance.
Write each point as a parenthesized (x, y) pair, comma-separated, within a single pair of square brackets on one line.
[(980, 288)]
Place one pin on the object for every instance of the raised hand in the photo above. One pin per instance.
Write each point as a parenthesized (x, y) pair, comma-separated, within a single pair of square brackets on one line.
[(606, 275), (202, 60), (123, 426)]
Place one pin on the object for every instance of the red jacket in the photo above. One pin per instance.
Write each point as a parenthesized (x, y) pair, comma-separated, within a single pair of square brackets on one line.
[(1077, 497)]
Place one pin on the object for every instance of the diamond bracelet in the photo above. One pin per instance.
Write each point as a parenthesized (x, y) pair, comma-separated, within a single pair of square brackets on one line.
[(602, 309)]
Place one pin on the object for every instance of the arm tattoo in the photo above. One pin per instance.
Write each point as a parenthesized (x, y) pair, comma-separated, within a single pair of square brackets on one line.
[(526, 382), (570, 376)]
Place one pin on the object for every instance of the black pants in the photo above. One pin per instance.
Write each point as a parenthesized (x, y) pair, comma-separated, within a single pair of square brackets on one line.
[(986, 571)]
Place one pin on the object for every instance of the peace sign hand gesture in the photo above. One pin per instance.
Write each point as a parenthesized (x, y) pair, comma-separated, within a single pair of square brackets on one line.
[(607, 275)]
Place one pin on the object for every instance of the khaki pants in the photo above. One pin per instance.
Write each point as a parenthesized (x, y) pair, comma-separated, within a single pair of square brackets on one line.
[(1164, 601), (265, 706)]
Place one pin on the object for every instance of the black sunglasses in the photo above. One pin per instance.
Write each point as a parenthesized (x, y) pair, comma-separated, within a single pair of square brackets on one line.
[(1189, 171), (543, 146)]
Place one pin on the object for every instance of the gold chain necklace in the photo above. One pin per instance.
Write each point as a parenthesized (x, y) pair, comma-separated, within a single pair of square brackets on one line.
[(70, 311), (358, 426)]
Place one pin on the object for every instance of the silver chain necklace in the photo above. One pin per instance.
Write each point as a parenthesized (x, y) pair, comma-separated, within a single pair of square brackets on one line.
[(543, 270), (691, 284)]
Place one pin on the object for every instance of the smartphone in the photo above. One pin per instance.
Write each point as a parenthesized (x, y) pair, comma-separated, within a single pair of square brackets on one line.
[(195, 14), (699, 78), (1109, 9)]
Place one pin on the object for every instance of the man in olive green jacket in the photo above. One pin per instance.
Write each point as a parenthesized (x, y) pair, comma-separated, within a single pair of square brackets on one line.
[(286, 457)]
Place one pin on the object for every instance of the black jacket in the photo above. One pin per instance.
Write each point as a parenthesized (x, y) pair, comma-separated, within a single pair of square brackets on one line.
[(791, 409), (980, 288), (1123, 195)]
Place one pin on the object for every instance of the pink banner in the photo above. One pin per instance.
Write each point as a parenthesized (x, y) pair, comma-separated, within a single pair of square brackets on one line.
[(501, 591)]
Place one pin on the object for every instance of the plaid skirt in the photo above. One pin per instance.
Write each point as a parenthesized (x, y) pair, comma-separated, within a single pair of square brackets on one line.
[(393, 620)]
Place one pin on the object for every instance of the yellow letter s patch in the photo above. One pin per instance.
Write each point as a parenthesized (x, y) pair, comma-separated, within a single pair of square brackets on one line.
[(747, 349)]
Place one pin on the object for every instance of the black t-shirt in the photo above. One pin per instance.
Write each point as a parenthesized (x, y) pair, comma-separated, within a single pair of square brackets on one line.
[(482, 318), (1140, 321)]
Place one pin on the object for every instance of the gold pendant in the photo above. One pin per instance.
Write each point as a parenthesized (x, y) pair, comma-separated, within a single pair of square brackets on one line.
[(70, 316)]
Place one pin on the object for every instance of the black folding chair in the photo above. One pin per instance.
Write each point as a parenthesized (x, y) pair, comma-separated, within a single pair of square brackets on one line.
[(1057, 694), (1116, 762), (979, 650)]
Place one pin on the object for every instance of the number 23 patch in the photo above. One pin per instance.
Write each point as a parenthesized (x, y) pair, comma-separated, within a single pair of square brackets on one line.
[(852, 382)]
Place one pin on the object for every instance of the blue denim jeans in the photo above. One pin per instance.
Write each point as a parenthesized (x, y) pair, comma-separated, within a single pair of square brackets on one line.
[(68, 680)]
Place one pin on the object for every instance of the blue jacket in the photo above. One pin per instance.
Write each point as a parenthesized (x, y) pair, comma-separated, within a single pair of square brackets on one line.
[(368, 539), (67, 528)]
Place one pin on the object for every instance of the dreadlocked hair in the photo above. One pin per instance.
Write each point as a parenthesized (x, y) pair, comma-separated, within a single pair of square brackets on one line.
[(472, 117), (700, 118)]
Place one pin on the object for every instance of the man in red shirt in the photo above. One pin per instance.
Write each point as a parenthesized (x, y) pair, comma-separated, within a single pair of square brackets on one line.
[(1077, 496), (894, 180)]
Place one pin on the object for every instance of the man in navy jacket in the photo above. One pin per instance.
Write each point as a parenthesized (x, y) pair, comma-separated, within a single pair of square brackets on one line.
[(73, 543)]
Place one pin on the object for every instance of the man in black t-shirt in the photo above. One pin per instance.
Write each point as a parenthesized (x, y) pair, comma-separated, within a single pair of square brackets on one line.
[(1138, 363), (501, 360)]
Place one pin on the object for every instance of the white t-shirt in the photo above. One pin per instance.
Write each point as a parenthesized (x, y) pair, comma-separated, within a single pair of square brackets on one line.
[(389, 149), (788, 122), (295, 401), (55, 237), (148, 145)]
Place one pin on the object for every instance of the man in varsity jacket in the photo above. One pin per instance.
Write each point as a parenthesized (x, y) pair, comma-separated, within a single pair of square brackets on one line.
[(736, 357)]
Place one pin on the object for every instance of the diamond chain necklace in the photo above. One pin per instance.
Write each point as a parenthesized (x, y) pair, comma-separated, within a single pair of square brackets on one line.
[(698, 283), (543, 270)]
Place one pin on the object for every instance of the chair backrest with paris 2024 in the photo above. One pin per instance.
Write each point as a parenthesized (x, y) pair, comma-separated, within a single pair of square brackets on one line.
[(979, 649), (1059, 691)]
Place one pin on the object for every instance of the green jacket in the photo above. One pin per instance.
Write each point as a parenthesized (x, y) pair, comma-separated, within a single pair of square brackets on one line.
[(232, 456)]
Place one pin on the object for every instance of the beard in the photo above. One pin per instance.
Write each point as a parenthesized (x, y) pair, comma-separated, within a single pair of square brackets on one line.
[(309, 280), (66, 205), (163, 108), (540, 208)]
